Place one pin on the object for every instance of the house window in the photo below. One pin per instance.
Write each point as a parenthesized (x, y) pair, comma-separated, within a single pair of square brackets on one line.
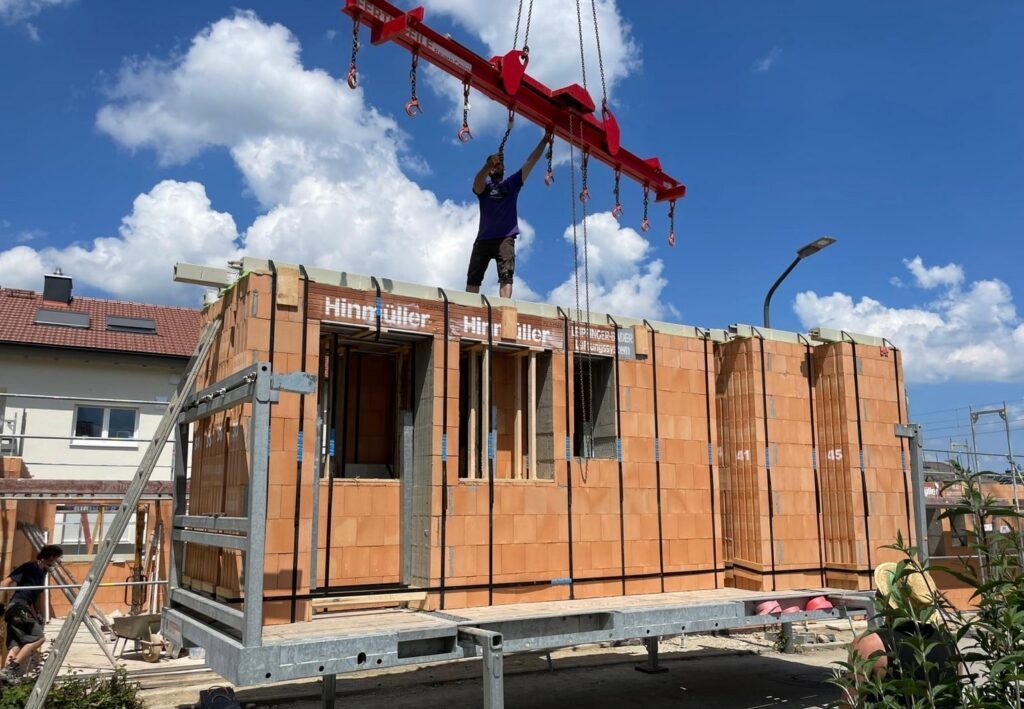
[(80, 529), (594, 407), (105, 422), (506, 414)]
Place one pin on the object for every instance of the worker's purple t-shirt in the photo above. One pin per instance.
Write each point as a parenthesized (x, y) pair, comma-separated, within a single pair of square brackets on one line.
[(499, 216)]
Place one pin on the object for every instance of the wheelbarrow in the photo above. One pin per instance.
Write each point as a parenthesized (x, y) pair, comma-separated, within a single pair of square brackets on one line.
[(144, 629)]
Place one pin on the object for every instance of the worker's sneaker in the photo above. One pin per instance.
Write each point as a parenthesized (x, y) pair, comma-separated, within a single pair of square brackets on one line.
[(10, 673)]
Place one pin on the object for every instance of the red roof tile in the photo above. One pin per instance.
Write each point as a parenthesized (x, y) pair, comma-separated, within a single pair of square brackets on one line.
[(177, 329)]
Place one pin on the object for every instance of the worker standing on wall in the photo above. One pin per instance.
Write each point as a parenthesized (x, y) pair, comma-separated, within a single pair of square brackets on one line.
[(23, 615), (499, 219)]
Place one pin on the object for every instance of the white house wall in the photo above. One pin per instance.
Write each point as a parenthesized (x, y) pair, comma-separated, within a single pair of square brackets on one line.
[(84, 374)]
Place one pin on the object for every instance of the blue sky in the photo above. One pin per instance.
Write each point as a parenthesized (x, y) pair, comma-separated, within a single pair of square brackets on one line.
[(894, 127)]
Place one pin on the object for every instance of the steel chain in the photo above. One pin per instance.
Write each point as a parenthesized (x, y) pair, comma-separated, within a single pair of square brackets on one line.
[(413, 107), (585, 160), (672, 223), (549, 176), (508, 131), (600, 60), (617, 209), (583, 61), (464, 133), (353, 79), (645, 223)]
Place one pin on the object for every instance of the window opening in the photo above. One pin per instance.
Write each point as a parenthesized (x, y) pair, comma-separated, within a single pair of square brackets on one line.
[(594, 407)]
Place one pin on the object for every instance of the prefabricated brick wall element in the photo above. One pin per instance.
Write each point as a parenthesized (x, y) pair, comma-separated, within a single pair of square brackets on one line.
[(865, 467), (770, 490), (486, 451)]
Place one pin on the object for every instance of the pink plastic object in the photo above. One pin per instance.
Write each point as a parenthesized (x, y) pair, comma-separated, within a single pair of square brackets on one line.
[(791, 609), (768, 608), (819, 603)]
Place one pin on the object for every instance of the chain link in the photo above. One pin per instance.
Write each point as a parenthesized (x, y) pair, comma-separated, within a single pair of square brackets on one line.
[(508, 131), (617, 209), (549, 176), (353, 78), (519, 17), (581, 391), (672, 223), (600, 60), (583, 61), (584, 162), (464, 133), (413, 108), (645, 223)]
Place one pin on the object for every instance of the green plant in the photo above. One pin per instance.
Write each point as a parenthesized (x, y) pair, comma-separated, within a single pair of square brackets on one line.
[(987, 669), (77, 691)]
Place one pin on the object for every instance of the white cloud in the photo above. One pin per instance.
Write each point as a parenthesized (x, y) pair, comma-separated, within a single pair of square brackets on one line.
[(33, 31), (622, 281), (28, 235), (554, 49), (970, 333), (934, 276), (21, 267), (172, 222), (331, 173), (765, 63), (12, 11)]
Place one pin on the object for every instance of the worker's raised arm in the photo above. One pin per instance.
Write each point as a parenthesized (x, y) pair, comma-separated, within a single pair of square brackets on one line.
[(535, 155), (480, 181), (4, 585)]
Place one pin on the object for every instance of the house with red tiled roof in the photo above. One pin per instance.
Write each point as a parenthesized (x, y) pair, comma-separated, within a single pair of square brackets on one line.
[(83, 385)]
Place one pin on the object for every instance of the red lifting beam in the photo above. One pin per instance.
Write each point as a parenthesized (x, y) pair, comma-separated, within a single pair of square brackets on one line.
[(504, 80)]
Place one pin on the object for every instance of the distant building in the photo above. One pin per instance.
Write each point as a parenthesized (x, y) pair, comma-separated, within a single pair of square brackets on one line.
[(55, 344), (81, 386)]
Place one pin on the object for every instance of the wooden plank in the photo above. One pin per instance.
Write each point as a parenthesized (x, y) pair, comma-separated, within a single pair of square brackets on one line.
[(509, 323), (485, 414), (321, 605), (472, 456), (288, 286), (517, 420), (531, 383), (641, 341)]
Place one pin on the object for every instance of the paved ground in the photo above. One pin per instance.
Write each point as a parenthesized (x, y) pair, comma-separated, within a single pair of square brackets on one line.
[(719, 672)]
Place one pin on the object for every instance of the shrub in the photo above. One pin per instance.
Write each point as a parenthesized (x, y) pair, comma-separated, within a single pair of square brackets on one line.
[(991, 638), (79, 691)]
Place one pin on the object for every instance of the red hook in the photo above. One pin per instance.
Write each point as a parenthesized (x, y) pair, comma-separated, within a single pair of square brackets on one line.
[(465, 135), (585, 195), (549, 177), (617, 210), (671, 238), (645, 225), (353, 81), (413, 108)]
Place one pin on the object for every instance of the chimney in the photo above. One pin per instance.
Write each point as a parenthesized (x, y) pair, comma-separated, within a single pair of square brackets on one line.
[(57, 287)]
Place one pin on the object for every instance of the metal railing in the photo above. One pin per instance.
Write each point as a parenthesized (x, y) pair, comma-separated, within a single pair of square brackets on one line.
[(259, 386)]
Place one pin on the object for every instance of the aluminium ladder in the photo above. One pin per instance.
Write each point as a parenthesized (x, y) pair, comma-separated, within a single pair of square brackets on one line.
[(87, 593)]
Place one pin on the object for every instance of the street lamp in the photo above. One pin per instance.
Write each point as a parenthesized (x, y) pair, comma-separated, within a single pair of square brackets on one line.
[(802, 253)]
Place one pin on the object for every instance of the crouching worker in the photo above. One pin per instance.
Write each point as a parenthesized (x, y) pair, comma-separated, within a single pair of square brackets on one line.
[(499, 219), (911, 658), (23, 613)]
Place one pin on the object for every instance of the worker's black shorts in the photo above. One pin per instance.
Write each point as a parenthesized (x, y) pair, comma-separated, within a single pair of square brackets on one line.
[(501, 250), (23, 626)]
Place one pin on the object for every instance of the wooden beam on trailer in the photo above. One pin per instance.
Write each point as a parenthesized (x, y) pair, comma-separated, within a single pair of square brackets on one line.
[(531, 383)]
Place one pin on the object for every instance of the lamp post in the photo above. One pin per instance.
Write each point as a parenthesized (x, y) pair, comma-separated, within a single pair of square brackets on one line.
[(802, 253)]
